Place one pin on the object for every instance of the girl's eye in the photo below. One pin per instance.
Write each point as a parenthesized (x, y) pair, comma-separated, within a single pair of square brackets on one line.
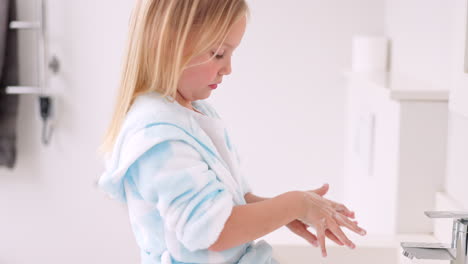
[(217, 56)]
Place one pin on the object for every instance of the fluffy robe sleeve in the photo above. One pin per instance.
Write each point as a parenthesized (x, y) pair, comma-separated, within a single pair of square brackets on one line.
[(192, 202)]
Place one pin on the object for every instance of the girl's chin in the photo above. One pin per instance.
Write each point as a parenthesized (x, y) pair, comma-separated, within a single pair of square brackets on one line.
[(203, 96)]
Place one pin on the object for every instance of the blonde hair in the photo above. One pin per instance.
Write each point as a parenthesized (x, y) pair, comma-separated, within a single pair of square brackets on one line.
[(164, 35)]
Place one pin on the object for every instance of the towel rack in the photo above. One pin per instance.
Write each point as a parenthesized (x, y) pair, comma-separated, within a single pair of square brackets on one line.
[(45, 100)]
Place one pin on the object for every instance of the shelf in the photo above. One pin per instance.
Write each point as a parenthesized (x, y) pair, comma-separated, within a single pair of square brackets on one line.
[(401, 87), (24, 25), (22, 90)]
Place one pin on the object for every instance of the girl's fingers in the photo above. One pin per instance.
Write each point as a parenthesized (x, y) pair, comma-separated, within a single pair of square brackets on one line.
[(341, 236), (343, 221), (311, 238), (321, 236), (341, 208), (300, 229), (333, 238), (350, 213)]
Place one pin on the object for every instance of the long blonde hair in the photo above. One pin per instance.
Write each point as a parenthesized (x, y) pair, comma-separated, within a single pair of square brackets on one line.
[(164, 35)]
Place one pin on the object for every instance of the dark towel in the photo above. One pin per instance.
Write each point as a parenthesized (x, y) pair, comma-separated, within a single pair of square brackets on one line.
[(8, 77)]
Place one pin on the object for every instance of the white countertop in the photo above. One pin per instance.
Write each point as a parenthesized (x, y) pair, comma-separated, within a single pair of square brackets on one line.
[(284, 236)]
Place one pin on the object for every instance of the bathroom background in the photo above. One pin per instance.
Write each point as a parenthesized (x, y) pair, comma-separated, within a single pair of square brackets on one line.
[(285, 104)]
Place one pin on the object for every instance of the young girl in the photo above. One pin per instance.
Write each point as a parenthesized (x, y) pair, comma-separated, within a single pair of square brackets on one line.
[(169, 155)]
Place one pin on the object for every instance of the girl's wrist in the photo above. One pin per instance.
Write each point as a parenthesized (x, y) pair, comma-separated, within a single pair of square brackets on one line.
[(301, 200), (298, 197)]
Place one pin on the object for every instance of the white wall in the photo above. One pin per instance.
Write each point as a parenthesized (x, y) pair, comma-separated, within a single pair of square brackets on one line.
[(459, 46), (284, 103), (428, 43), (421, 32), (457, 167)]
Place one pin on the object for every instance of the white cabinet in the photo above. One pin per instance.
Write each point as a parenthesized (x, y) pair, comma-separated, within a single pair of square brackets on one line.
[(395, 154)]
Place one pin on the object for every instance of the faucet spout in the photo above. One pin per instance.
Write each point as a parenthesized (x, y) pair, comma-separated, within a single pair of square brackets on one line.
[(457, 252), (428, 251)]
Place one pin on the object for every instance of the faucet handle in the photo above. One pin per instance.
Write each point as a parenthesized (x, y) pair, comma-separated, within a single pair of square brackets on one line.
[(447, 214)]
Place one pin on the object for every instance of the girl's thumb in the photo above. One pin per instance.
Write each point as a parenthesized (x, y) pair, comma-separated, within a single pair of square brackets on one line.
[(322, 190)]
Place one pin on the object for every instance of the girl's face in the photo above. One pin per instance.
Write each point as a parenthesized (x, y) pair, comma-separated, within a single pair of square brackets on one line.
[(196, 80)]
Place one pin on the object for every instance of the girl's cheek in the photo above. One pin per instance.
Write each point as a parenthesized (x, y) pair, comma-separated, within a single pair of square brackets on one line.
[(214, 70)]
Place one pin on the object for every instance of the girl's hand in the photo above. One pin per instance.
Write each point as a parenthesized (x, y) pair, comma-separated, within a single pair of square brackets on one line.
[(326, 215), (300, 229), (341, 208)]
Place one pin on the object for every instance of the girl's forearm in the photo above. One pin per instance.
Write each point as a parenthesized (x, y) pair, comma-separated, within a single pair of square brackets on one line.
[(256, 219)]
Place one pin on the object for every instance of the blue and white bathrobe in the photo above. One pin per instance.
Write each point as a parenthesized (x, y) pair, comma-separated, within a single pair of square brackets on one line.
[(179, 190)]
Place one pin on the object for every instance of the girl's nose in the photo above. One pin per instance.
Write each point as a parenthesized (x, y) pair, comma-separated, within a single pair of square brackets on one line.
[(226, 70)]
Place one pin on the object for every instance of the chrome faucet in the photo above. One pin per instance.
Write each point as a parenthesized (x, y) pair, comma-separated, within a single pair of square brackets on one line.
[(456, 252)]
